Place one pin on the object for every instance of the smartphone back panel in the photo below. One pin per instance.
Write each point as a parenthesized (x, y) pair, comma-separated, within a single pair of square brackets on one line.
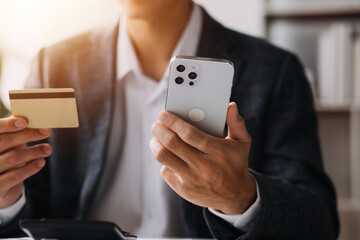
[(199, 91)]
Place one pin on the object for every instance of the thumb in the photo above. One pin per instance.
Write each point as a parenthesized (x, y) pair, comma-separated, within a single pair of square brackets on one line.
[(236, 125)]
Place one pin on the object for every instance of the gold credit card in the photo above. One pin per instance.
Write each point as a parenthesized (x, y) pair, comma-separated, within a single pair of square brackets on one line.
[(45, 108)]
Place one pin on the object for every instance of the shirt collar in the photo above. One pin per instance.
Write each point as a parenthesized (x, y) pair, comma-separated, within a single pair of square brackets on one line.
[(126, 57)]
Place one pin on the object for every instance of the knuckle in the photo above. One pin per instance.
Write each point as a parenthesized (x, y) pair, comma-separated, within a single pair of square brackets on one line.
[(161, 154), (31, 133), (171, 140), (152, 143), (188, 134), (163, 172), (203, 143), (156, 127), (3, 140), (15, 178), (33, 169), (153, 127), (13, 158), (4, 124), (186, 190), (171, 122)]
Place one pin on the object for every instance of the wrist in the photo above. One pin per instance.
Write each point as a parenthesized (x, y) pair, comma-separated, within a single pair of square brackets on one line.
[(9, 213), (243, 200), (11, 197)]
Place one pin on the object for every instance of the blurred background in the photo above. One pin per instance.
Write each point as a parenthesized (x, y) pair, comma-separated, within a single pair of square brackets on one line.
[(323, 33)]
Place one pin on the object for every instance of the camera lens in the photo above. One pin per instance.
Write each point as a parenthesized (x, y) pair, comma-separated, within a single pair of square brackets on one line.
[(180, 68), (191, 83), (179, 80), (192, 75)]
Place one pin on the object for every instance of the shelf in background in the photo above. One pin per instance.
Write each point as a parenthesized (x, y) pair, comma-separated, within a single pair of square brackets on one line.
[(349, 205), (312, 9), (322, 107), (326, 107)]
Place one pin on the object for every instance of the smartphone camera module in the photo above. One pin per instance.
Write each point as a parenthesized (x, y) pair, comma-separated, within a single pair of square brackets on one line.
[(185, 74), (180, 68), (179, 80)]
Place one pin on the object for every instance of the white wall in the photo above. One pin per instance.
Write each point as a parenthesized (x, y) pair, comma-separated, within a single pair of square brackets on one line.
[(242, 15)]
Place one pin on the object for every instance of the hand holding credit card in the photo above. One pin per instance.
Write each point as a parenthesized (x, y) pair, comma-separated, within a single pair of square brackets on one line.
[(45, 108)]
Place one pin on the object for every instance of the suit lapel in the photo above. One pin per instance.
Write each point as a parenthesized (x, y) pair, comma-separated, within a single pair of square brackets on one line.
[(78, 160), (103, 111)]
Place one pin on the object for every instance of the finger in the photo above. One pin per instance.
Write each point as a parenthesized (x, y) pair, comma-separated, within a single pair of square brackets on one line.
[(236, 124), (175, 144), (10, 140), (13, 124), (21, 146), (18, 175), (165, 157), (18, 157), (188, 133), (18, 188), (172, 179)]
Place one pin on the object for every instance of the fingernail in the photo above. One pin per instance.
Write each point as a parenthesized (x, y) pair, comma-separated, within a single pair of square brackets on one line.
[(40, 163), (163, 116), (44, 131), (20, 123)]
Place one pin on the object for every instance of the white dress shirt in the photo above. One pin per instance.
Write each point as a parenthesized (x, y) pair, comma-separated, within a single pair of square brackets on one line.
[(7, 214), (132, 193)]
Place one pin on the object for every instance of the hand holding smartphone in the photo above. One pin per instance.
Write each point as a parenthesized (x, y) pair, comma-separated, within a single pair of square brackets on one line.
[(199, 92)]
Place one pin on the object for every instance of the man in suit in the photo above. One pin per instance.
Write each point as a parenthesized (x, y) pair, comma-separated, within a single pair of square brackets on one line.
[(268, 186)]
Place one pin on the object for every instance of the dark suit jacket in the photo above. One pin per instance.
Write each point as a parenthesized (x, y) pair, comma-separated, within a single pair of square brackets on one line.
[(297, 199)]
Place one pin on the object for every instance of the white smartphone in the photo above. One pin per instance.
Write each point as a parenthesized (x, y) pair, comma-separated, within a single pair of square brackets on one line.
[(198, 91)]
